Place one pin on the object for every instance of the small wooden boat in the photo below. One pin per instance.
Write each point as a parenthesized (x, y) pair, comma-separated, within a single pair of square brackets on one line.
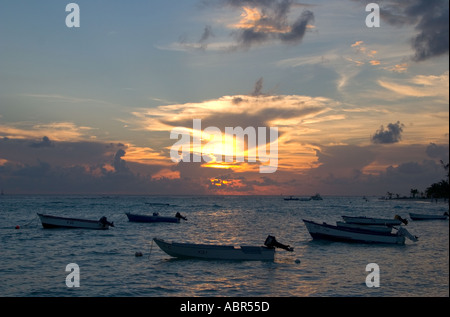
[(222, 252), (375, 221), (376, 228), (335, 233), (51, 222), (154, 218), (415, 216)]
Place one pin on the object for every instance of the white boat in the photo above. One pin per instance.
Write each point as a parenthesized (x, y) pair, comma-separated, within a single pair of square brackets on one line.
[(415, 216), (222, 252), (335, 233), (50, 222), (375, 221), (376, 228)]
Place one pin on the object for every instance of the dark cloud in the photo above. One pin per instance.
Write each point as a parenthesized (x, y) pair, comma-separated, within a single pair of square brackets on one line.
[(120, 165), (44, 143), (237, 100), (345, 170), (258, 87), (299, 28), (430, 19), (393, 134), (440, 152), (273, 23), (342, 160), (67, 153), (207, 33), (89, 168)]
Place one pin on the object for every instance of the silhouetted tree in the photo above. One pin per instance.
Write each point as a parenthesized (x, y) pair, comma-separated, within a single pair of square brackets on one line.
[(440, 189)]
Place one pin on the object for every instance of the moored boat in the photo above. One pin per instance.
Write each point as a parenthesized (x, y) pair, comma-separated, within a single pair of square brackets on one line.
[(291, 198), (334, 233), (415, 216), (222, 252), (51, 222), (375, 221), (316, 197), (154, 218)]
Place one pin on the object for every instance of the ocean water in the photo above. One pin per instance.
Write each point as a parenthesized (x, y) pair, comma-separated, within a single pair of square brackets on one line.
[(33, 260)]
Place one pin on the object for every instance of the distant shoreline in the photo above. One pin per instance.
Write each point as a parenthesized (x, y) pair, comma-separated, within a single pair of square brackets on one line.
[(415, 199)]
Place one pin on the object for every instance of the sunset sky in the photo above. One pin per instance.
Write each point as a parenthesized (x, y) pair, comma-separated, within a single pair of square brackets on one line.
[(359, 110)]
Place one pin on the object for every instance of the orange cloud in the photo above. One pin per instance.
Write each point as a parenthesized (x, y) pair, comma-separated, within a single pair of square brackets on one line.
[(56, 131), (166, 174)]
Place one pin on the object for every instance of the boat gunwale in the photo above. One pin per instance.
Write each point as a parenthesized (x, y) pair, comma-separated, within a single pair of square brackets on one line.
[(210, 246), (68, 218), (151, 218)]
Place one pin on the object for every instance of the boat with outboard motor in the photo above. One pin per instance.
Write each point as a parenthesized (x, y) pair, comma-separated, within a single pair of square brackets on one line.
[(335, 233), (415, 216), (154, 218), (223, 252), (51, 222)]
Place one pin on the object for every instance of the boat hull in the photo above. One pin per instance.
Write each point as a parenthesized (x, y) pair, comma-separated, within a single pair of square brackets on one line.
[(54, 222), (371, 221), (334, 233), (216, 252), (144, 218), (416, 217)]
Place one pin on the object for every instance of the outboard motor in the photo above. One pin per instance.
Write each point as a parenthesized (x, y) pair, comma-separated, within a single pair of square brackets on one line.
[(405, 221), (271, 243), (179, 216), (406, 233), (105, 222)]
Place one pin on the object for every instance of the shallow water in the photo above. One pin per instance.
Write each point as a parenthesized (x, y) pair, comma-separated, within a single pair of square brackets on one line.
[(33, 260)]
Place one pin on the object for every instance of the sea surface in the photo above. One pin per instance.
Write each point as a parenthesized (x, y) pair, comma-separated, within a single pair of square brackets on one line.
[(33, 260)]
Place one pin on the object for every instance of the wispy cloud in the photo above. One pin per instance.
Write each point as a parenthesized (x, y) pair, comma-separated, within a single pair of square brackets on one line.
[(420, 86), (67, 99), (58, 131)]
